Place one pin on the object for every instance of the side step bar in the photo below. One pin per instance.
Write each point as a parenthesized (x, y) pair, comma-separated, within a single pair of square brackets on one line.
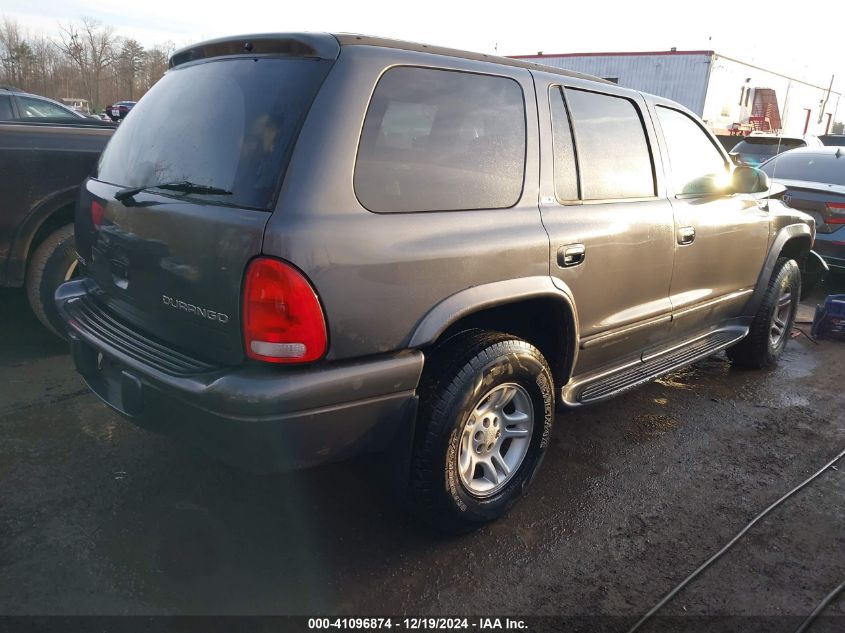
[(598, 387)]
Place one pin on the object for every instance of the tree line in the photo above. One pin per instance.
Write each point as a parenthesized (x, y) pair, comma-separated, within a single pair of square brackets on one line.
[(86, 60)]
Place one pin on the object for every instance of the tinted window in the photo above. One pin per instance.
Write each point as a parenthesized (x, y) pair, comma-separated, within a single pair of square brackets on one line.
[(6, 113), (227, 124), (40, 109), (613, 153), (766, 145), (566, 176), (437, 140), (833, 139), (826, 168), (697, 166)]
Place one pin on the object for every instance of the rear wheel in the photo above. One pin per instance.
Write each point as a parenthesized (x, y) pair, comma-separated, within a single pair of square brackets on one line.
[(486, 403), (770, 330), (52, 263)]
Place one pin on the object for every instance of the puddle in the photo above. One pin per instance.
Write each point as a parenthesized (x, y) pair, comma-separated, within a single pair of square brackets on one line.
[(648, 426), (105, 432)]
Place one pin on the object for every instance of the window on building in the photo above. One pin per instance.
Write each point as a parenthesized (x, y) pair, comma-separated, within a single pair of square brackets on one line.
[(613, 153), (565, 173), (438, 140), (697, 167)]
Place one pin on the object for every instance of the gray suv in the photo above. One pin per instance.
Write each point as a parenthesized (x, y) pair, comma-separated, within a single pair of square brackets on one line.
[(305, 247)]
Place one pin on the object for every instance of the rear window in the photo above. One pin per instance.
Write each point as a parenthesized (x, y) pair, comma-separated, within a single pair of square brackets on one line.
[(833, 139), (826, 168), (439, 140), (766, 145), (228, 124)]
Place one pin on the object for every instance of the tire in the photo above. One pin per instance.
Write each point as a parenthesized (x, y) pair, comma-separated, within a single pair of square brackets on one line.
[(776, 314), (52, 263), (455, 411)]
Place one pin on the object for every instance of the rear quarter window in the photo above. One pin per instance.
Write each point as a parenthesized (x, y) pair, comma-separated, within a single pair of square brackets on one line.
[(441, 140), (6, 113)]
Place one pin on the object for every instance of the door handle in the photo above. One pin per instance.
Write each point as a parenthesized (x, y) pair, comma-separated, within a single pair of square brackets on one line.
[(571, 255), (686, 235)]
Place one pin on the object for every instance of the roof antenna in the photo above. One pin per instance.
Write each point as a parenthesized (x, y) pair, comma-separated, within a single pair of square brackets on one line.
[(774, 171)]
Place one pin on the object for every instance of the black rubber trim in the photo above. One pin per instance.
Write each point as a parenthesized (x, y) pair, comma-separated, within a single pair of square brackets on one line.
[(92, 319)]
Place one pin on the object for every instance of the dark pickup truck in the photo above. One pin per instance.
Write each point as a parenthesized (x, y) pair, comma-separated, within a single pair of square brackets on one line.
[(42, 164)]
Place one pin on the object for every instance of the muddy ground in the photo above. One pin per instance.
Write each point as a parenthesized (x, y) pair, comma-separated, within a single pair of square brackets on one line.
[(100, 517)]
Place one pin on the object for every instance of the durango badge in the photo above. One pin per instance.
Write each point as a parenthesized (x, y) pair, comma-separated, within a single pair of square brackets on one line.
[(205, 313)]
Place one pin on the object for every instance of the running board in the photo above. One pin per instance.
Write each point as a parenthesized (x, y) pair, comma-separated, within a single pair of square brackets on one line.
[(605, 385)]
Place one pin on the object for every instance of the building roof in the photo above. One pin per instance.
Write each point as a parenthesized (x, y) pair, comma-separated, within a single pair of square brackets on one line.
[(613, 54), (670, 53)]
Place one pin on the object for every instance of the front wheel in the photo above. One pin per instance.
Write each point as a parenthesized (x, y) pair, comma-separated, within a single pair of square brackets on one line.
[(486, 412), (772, 324)]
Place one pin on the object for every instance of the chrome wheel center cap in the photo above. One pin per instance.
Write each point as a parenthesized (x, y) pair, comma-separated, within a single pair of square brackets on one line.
[(487, 434)]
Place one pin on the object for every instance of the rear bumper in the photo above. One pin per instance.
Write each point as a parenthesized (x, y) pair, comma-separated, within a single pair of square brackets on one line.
[(261, 417), (831, 246)]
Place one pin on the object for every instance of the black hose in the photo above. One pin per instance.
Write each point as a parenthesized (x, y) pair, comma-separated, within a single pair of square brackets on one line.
[(729, 545), (821, 607)]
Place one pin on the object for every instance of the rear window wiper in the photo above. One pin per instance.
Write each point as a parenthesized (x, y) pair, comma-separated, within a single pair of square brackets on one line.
[(183, 186)]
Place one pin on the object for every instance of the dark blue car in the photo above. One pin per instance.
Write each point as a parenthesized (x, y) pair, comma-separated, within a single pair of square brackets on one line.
[(814, 178)]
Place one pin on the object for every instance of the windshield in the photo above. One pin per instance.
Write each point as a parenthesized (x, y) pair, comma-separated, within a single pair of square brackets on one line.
[(826, 168), (226, 124)]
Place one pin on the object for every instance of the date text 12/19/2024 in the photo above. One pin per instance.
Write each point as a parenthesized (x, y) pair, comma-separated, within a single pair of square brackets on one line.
[(413, 624)]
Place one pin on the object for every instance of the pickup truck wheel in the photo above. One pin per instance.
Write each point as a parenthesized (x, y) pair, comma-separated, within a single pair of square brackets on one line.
[(53, 263), (772, 324), (486, 412)]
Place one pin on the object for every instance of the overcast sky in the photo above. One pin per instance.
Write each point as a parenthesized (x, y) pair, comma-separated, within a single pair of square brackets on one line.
[(796, 38)]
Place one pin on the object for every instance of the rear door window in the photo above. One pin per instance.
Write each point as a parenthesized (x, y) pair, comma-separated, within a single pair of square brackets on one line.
[(697, 166), (441, 140), (613, 153), (40, 109)]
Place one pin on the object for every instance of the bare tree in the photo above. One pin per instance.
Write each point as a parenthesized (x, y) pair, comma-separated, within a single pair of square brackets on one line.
[(15, 53), (45, 58), (156, 63), (90, 46), (87, 60)]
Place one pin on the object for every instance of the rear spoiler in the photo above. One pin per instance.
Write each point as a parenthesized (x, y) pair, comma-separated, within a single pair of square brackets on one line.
[(304, 45)]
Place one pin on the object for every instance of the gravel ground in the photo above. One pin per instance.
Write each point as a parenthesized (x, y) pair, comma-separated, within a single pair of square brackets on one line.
[(100, 517)]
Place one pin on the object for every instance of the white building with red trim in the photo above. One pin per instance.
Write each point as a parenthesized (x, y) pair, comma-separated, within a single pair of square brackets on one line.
[(727, 93)]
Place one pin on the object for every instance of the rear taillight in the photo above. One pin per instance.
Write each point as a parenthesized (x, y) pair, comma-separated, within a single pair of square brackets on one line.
[(282, 318), (98, 211), (836, 213)]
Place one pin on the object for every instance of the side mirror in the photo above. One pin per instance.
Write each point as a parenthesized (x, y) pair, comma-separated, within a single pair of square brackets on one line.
[(750, 180)]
